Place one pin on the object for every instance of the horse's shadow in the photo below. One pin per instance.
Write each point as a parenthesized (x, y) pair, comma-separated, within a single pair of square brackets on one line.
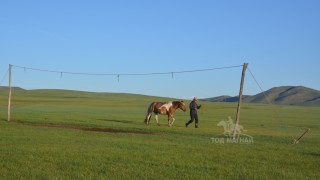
[(118, 121)]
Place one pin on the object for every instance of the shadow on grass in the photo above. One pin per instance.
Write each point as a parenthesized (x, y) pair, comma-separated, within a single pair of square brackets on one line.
[(83, 128), (312, 154), (118, 121)]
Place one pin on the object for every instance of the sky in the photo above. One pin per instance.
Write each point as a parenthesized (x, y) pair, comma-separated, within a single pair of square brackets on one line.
[(279, 39)]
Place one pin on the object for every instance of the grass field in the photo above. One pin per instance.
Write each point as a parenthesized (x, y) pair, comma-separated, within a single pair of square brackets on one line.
[(57, 134)]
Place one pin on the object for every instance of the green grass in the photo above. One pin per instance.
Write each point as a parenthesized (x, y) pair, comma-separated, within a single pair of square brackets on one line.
[(39, 152)]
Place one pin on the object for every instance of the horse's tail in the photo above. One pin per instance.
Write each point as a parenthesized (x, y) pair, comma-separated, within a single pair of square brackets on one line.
[(149, 113)]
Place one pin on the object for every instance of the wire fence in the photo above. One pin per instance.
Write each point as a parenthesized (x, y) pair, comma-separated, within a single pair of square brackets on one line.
[(4, 77), (126, 74)]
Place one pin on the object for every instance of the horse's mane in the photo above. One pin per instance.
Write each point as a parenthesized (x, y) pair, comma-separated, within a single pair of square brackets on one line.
[(177, 103)]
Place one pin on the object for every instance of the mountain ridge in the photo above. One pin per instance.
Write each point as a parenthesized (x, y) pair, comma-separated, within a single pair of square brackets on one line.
[(283, 95)]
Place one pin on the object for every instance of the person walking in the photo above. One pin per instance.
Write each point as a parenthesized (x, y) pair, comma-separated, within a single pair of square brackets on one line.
[(193, 112)]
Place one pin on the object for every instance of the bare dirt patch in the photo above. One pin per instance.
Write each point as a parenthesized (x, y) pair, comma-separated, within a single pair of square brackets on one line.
[(72, 126)]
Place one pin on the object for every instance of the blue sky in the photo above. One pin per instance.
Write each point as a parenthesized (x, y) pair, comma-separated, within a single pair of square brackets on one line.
[(279, 39)]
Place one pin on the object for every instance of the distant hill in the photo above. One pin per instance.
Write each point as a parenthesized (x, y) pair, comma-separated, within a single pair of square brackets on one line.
[(4, 88), (284, 95)]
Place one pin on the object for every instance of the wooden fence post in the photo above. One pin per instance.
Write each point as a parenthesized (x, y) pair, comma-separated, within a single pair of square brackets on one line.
[(296, 141), (10, 89), (245, 65)]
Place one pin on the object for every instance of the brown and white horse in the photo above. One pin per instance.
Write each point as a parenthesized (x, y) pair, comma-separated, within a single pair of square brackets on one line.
[(164, 108)]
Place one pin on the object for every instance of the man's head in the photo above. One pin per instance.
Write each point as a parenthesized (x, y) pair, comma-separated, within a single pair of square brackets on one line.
[(195, 99)]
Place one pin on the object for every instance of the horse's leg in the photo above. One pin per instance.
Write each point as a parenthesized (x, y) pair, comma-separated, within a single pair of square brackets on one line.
[(169, 117), (157, 119), (173, 119), (149, 117), (149, 113)]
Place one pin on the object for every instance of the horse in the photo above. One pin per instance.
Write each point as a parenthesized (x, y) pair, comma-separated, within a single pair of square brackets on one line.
[(164, 108)]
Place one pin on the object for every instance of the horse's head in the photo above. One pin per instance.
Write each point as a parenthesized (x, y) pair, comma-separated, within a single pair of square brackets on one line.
[(182, 106)]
